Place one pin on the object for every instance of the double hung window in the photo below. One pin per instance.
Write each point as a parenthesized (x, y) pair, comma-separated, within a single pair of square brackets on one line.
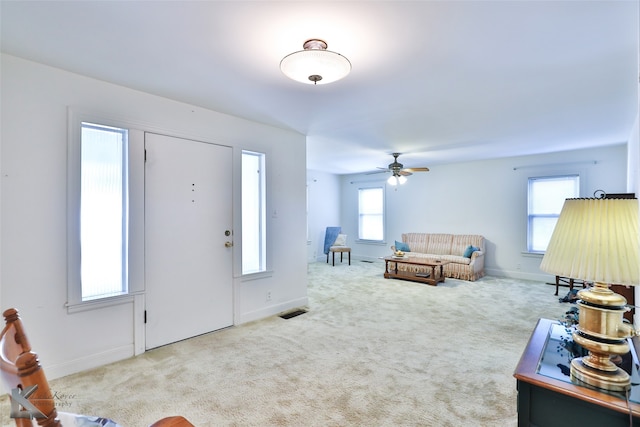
[(546, 196), (371, 214)]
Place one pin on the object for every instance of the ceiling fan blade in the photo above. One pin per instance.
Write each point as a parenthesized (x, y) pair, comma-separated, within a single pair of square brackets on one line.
[(397, 169), (383, 170)]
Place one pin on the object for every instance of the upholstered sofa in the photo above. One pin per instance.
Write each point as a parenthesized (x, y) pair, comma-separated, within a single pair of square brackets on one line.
[(464, 251)]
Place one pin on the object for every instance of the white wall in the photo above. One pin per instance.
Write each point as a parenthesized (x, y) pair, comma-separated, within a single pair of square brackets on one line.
[(33, 233), (633, 158), (324, 211), (633, 182), (482, 197)]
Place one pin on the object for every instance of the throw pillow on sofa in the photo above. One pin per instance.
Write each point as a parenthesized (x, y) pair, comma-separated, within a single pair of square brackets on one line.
[(402, 246), (470, 249)]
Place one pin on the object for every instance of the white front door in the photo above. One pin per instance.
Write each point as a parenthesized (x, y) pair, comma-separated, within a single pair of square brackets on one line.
[(188, 222)]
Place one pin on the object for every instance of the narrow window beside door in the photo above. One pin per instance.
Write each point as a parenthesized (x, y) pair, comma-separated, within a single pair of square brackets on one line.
[(103, 211), (254, 216)]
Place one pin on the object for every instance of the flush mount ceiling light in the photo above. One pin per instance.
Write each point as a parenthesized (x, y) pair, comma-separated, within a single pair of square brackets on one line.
[(315, 64)]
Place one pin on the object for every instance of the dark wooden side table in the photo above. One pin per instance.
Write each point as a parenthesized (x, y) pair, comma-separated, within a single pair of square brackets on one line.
[(549, 402), (628, 293)]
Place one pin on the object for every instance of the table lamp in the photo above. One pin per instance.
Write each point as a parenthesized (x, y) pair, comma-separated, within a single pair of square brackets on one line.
[(597, 240)]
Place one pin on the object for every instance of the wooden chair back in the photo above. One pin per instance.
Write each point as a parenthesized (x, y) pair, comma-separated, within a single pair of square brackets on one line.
[(177, 421), (20, 370)]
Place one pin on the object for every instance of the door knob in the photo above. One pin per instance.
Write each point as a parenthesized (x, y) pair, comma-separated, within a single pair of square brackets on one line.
[(228, 244)]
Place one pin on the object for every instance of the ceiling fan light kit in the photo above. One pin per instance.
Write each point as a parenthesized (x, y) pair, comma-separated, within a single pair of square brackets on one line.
[(315, 64), (396, 179)]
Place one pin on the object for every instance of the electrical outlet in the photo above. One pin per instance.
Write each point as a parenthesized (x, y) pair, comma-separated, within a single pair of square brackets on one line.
[(268, 295), (518, 266)]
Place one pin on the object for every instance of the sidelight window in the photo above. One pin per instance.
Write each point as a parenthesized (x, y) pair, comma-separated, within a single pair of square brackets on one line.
[(103, 211), (254, 217)]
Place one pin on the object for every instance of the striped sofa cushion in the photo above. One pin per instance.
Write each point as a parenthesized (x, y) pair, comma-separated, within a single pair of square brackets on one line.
[(417, 242), (440, 244)]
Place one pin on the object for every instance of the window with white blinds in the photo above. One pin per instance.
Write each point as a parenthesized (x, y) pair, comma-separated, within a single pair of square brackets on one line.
[(546, 198), (371, 214), (254, 217), (103, 211)]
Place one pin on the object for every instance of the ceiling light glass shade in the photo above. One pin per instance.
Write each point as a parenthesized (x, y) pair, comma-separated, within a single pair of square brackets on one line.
[(396, 179), (315, 64)]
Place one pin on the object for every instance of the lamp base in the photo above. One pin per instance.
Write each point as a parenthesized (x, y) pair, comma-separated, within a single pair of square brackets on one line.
[(614, 380)]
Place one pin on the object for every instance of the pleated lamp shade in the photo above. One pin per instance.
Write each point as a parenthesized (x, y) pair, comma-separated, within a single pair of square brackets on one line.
[(596, 240)]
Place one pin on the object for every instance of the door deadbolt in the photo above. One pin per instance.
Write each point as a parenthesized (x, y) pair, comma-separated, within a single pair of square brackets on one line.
[(227, 233)]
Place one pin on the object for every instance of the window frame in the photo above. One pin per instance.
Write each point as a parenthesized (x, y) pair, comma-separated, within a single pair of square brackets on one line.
[(123, 220), (383, 214), (532, 216), (135, 238), (262, 202)]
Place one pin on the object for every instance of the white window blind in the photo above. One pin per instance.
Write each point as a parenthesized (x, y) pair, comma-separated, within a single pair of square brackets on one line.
[(371, 214), (103, 211), (546, 197), (253, 213)]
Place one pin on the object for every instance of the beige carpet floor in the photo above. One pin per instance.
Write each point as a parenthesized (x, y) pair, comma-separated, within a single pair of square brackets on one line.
[(369, 352)]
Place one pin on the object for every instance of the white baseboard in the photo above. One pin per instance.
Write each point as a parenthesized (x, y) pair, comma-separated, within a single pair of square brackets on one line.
[(89, 362), (272, 310), (354, 258), (536, 277), (368, 259), (515, 274)]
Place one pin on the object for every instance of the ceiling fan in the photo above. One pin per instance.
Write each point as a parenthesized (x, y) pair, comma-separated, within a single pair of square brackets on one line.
[(399, 172)]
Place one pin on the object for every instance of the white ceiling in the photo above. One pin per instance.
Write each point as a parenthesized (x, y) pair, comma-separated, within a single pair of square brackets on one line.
[(440, 81)]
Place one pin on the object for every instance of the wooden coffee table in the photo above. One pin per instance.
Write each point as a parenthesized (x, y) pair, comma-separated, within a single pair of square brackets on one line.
[(436, 276)]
